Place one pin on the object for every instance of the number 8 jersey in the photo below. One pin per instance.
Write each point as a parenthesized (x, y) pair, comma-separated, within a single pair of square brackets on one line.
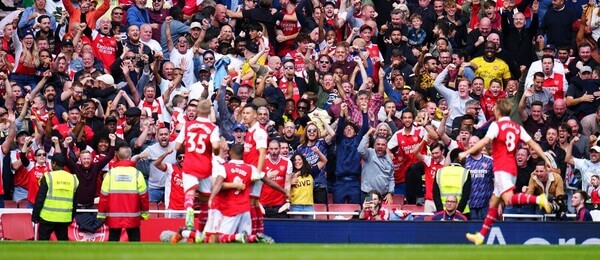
[(506, 137), (197, 137)]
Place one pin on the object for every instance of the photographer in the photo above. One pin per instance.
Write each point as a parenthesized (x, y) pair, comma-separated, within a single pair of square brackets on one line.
[(544, 181)]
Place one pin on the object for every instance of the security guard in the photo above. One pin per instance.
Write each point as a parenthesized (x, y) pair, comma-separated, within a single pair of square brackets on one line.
[(123, 198), (54, 205), (455, 180)]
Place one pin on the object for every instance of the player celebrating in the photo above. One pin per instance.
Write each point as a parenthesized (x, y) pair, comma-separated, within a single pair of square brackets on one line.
[(229, 203), (201, 140), (505, 136), (255, 152)]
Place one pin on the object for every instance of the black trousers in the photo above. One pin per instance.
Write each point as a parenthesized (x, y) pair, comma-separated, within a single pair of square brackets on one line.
[(320, 195), (414, 182), (272, 212), (114, 234), (45, 229)]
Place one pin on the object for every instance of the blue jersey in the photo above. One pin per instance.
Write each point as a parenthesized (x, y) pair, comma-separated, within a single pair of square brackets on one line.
[(482, 180)]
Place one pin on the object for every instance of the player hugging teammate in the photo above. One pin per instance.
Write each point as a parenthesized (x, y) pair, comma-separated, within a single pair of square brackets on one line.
[(229, 190)]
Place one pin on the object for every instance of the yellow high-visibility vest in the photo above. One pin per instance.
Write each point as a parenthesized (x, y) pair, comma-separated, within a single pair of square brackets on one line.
[(58, 206), (451, 179)]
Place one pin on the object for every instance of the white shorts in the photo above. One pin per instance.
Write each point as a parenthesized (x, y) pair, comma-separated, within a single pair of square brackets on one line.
[(255, 189), (191, 182), (237, 224), (213, 222), (429, 206), (503, 182)]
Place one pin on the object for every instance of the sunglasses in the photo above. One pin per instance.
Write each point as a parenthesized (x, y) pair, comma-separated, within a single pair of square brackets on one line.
[(130, 58), (41, 154), (209, 58), (117, 13), (302, 108), (156, 1)]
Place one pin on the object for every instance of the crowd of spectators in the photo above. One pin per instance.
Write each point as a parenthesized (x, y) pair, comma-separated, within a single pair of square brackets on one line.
[(362, 97)]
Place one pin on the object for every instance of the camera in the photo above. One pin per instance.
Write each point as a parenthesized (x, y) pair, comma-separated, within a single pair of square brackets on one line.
[(559, 206)]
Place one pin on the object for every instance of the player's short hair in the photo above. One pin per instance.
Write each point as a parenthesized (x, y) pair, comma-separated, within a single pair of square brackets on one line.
[(583, 194), (236, 151), (204, 106), (504, 107)]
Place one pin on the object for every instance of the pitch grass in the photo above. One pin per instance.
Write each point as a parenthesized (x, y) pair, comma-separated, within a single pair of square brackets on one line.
[(147, 251)]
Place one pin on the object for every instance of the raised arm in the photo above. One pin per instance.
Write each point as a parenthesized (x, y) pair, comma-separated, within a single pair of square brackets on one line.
[(159, 161)]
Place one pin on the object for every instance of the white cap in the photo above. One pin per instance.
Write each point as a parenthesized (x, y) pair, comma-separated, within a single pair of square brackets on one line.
[(107, 79)]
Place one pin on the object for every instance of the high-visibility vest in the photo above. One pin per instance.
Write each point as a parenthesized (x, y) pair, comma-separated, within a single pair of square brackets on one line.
[(451, 179), (128, 184), (58, 206)]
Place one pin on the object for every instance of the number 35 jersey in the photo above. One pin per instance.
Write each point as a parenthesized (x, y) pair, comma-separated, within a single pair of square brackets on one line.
[(197, 138), (507, 137)]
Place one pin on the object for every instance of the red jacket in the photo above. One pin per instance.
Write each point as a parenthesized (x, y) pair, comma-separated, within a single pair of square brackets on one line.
[(124, 197), (488, 102)]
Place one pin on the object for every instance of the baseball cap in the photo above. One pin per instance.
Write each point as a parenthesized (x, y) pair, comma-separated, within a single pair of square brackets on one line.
[(195, 25), (27, 32), (549, 47), (22, 132), (329, 3), (110, 119), (59, 159), (204, 67), (133, 112), (229, 89), (246, 82), (67, 42), (239, 127), (364, 27), (107, 79), (586, 69), (595, 148)]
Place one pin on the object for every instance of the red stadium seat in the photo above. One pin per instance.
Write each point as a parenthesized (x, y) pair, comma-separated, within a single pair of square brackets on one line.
[(413, 208), (329, 198), (154, 206), (392, 207), (17, 226), (321, 208), (398, 199), (22, 204), (343, 208), (10, 204)]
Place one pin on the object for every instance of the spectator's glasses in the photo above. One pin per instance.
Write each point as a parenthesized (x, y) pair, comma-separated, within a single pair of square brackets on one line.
[(209, 58), (302, 108), (289, 67), (119, 13), (130, 58), (476, 108), (324, 61), (156, 1), (40, 154)]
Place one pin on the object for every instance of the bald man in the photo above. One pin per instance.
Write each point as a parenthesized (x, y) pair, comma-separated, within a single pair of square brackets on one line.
[(559, 113), (476, 38)]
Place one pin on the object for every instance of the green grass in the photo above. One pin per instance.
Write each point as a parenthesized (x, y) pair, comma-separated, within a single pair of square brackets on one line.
[(147, 251)]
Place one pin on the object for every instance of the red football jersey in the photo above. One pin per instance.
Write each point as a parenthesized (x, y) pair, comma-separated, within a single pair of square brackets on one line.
[(506, 136), (404, 156), (431, 168), (198, 136), (176, 196), (232, 202), (281, 167), (256, 138), (35, 174)]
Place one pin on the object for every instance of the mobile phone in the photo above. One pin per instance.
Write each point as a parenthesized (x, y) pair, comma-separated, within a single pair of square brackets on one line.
[(155, 116)]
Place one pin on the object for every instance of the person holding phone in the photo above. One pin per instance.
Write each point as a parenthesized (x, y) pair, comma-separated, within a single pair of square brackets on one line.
[(372, 209)]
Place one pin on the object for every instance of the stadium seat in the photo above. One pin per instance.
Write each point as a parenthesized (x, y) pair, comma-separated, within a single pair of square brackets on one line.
[(343, 208), (595, 215), (17, 226), (413, 208), (392, 207), (10, 204), (321, 208), (154, 206), (22, 204), (398, 199)]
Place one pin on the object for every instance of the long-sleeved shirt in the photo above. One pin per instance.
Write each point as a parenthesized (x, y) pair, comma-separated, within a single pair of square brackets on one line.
[(25, 23), (348, 160), (377, 172), (456, 104), (88, 178)]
